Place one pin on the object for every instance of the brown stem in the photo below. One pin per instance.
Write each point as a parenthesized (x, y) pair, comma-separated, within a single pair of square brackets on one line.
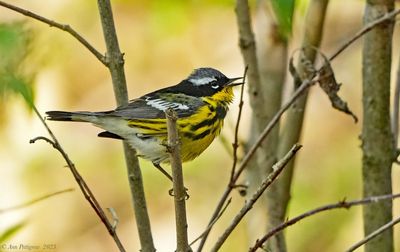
[(180, 193), (377, 138), (89, 196), (64, 27), (277, 168), (305, 85), (342, 204), (236, 139), (374, 234)]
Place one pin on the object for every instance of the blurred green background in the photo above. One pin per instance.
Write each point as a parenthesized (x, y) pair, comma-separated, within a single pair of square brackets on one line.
[(162, 41)]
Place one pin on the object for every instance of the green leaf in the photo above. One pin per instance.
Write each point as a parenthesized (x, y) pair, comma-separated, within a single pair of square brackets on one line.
[(14, 41), (18, 85), (14, 48), (283, 10), (9, 232)]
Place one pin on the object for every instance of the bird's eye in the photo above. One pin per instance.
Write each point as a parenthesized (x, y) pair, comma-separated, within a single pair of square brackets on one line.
[(215, 86)]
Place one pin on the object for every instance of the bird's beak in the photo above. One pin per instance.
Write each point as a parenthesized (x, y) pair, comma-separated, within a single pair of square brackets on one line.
[(231, 82)]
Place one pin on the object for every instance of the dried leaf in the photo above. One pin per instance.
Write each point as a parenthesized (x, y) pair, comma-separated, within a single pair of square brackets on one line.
[(294, 73), (307, 70), (307, 66), (328, 83)]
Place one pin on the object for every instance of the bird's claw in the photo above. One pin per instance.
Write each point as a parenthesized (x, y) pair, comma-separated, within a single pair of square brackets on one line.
[(171, 193)]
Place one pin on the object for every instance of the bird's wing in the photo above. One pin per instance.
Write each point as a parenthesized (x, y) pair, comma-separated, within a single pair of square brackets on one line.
[(153, 106)]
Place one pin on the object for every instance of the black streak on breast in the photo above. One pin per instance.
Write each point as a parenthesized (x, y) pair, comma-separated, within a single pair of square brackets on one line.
[(221, 112)]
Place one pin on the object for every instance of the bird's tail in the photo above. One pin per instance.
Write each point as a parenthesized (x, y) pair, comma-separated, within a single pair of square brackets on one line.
[(72, 116)]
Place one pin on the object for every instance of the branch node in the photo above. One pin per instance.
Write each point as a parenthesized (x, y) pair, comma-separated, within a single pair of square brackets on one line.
[(52, 143), (114, 217)]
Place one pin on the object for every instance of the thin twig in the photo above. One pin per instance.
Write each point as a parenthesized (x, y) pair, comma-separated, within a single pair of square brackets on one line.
[(212, 224), (236, 141), (65, 27), (34, 201), (277, 168), (81, 182), (46, 139), (247, 45), (364, 30), (177, 179), (341, 204), (303, 87), (374, 234)]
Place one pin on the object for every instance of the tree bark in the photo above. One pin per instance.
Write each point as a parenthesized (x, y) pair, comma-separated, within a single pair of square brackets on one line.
[(272, 51), (277, 197), (377, 139)]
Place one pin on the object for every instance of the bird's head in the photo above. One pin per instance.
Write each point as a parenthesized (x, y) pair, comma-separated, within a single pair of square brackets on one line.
[(207, 82)]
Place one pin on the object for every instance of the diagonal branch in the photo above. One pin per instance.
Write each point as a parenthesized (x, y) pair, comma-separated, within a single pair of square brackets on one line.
[(342, 204), (303, 87), (364, 30), (89, 196), (65, 27), (277, 168), (212, 224), (374, 234), (249, 155)]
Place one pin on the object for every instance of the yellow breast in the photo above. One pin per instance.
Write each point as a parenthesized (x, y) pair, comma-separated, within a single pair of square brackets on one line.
[(199, 130)]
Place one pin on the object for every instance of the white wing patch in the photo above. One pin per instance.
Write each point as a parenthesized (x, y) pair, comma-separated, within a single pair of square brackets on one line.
[(164, 105), (202, 81)]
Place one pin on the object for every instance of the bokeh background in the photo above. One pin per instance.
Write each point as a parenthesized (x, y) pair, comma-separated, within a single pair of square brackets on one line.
[(163, 41)]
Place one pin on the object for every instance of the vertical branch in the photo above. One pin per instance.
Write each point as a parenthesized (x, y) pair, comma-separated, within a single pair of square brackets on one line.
[(247, 46), (235, 144), (377, 139), (279, 194), (178, 186), (115, 62), (272, 50), (395, 111)]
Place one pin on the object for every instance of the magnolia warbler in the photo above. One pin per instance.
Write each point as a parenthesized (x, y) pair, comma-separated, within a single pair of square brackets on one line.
[(200, 101)]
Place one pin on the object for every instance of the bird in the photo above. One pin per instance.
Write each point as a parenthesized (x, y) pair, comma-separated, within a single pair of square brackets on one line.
[(201, 102)]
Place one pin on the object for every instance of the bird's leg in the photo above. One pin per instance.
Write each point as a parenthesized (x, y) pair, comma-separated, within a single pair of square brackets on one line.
[(171, 191), (158, 166)]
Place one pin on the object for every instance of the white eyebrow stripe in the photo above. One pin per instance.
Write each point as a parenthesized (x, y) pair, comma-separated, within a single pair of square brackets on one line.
[(164, 105), (202, 81)]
